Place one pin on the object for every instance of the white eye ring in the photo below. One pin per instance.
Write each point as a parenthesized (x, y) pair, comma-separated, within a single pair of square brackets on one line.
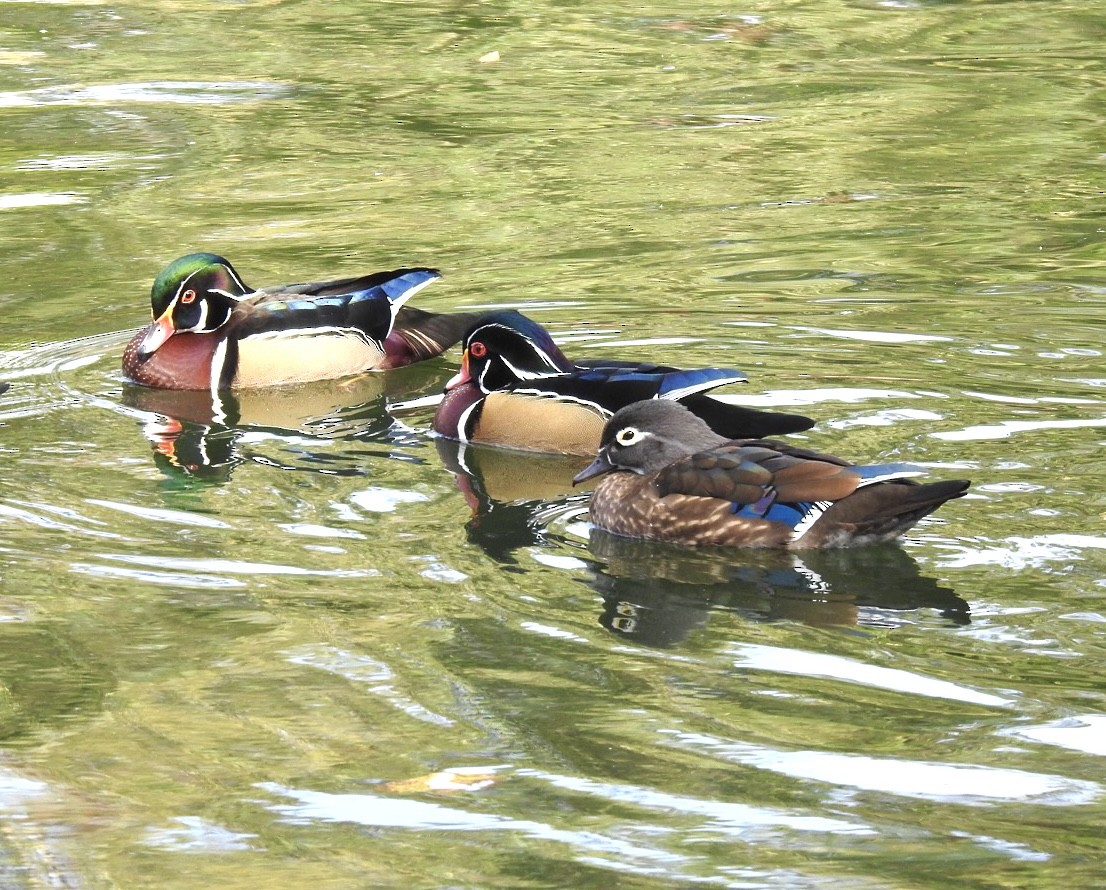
[(629, 435)]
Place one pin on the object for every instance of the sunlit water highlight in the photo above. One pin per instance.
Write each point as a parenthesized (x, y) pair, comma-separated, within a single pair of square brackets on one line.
[(295, 635)]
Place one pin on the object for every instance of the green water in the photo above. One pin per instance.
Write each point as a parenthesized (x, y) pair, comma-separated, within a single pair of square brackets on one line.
[(224, 651)]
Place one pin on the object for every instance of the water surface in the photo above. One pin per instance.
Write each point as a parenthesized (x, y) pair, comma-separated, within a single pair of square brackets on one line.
[(313, 641)]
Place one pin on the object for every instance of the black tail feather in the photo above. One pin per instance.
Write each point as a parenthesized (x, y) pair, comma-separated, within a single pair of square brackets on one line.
[(432, 333), (739, 422)]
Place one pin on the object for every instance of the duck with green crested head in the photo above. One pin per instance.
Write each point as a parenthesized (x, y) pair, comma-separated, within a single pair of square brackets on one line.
[(212, 331)]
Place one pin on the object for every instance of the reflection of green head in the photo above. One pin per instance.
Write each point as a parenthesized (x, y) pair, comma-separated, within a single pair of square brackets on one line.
[(202, 272)]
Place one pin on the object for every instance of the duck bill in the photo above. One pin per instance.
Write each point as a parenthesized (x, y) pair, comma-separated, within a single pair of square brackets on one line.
[(158, 332), (602, 464), (461, 377)]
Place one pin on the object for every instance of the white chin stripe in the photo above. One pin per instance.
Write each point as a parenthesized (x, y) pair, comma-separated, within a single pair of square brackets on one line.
[(202, 323)]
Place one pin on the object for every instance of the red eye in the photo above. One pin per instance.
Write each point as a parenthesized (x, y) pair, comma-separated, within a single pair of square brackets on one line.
[(188, 296), (478, 350)]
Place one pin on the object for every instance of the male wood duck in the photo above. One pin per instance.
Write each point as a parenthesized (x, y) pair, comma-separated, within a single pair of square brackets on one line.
[(672, 478), (516, 389), (211, 331)]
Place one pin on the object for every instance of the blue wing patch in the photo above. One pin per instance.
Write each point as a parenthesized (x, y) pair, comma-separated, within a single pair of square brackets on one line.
[(678, 384), (398, 287), (789, 514)]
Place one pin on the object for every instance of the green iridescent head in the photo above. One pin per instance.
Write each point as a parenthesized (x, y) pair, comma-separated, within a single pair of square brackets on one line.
[(200, 272), (196, 294)]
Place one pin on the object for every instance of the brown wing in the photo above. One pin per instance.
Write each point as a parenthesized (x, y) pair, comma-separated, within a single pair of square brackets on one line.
[(747, 472), (792, 450)]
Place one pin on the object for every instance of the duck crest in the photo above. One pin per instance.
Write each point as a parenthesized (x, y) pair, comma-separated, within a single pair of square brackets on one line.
[(506, 348), (200, 271)]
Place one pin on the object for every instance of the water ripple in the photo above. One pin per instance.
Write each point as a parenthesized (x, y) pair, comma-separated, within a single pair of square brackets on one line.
[(181, 92), (378, 811), (159, 514), (362, 669), (197, 835), (1084, 732), (233, 566), (948, 782), (1019, 552), (818, 664), (1007, 428), (731, 818)]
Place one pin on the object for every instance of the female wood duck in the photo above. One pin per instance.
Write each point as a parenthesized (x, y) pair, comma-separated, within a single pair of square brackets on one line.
[(516, 389), (211, 331), (673, 479)]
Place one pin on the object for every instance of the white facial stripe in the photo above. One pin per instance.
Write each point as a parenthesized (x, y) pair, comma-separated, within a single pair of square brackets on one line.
[(241, 285), (223, 293), (520, 374), (544, 355), (184, 284)]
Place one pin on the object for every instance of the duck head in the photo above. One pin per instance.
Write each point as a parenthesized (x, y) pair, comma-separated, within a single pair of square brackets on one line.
[(196, 293), (645, 437), (504, 348)]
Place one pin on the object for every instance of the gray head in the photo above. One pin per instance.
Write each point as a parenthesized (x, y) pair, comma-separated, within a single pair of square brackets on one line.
[(646, 436)]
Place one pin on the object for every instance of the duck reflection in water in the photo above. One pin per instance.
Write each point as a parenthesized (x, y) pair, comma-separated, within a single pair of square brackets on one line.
[(196, 434), (505, 490), (657, 593)]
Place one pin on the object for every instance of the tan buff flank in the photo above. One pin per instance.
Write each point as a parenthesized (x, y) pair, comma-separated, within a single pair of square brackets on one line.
[(264, 360), (535, 424)]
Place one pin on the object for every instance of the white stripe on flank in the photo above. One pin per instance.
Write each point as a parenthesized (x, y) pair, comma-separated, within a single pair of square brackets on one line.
[(812, 516)]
